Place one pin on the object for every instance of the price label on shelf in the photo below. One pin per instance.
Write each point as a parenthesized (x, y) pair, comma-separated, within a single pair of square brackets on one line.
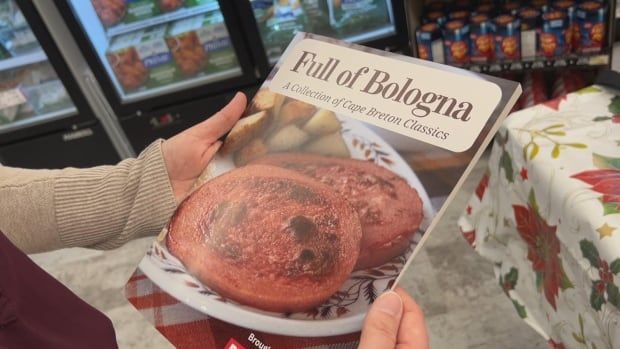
[(11, 98)]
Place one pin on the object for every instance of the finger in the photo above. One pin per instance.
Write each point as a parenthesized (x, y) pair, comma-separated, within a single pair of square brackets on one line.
[(382, 322), (210, 152), (221, 122), (412, 333)]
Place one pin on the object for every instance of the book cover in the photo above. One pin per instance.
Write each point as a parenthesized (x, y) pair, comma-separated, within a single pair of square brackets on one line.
[(319, 198)]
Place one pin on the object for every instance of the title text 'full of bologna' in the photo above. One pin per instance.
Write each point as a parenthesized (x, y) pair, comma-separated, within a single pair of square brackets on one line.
[(423, 103)]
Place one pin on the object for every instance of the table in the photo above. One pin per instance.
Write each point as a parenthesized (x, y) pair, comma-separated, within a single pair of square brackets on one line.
[(547, 215), (187, 328)]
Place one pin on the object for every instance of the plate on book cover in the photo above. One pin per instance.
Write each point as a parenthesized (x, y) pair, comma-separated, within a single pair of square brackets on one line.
[(341, 314)]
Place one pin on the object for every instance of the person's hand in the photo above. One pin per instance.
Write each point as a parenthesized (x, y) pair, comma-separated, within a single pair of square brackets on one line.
[(394, 321), (188, 153)]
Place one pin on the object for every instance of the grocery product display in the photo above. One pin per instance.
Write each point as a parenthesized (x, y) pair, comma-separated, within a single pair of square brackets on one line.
[(456, 42), (556, 36), (507, 38), (157, 61), (155, 47), (429, 41), (526, 34), (30, 91), (201, 43), (590, 33), (142, 58), (351, 20), (482, 38)]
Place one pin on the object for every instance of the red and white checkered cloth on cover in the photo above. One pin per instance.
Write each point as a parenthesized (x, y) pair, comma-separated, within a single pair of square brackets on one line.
[(187, 328)]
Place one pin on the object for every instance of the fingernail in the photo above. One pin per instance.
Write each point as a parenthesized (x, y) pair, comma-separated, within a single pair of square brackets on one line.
[(389, 303)]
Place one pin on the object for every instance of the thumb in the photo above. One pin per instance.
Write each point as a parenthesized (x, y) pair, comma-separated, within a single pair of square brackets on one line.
[(382, 322), (221, 122)]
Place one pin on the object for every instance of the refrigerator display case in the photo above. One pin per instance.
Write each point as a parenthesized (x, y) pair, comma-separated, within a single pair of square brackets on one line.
[(38, 98), (376, 23), (163, 64)]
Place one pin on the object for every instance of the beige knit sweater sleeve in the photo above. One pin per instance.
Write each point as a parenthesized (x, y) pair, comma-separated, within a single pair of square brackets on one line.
[(100, 207)]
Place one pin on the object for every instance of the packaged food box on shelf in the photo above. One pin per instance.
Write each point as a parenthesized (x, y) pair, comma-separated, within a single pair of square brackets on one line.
[(10, 15), (354, 16), (48, 97), (507, 38), (139, 10), (28, 75), (110, 12), (317, 15), (16, 37), (13, 106), (201, 44), (278, 21), (113, 12), (143, 59), (556, 36), (456, 43), (7, 10), (193, 3), (281, 22), (30, 90), (18, 40), (590, 35), (169, 5), (482, 39)]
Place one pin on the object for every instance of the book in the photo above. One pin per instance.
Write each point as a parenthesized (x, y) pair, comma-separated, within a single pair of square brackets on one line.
[(319, 198)]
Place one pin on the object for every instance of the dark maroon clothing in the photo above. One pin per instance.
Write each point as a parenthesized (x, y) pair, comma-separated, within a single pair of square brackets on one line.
[(38, 312)]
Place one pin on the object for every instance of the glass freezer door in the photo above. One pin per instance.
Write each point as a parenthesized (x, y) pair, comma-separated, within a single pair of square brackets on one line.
[(30, 91), (155, 47), (355, 21)]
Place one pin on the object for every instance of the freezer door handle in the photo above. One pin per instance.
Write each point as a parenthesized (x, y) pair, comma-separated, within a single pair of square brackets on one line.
[(107, 118)]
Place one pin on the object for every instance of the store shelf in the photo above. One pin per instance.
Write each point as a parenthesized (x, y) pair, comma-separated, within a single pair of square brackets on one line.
[(22, 60), (371, 35), (37, 119), (596, 60), (163, 18), (358, 38), (176, 86)]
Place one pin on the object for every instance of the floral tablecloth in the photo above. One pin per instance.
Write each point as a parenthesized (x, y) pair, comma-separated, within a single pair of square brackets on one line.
[(547, 215)]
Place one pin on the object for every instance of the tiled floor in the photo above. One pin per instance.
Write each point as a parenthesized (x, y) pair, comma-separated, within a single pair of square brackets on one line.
[(464, 305)]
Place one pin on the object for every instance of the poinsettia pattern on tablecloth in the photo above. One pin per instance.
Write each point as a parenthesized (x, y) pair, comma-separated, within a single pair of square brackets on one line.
[(547, 215)]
